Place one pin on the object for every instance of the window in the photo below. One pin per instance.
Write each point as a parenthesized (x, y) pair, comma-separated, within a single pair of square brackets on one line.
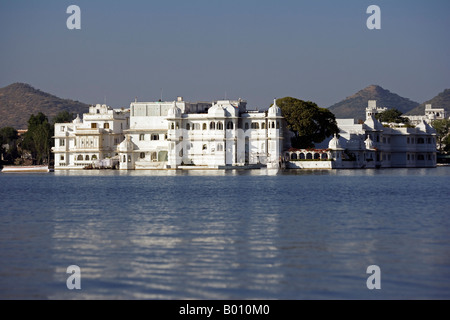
[(94, 157), (230, 125), (293, 156), (61, 158), (278, 124), (129, 158), (219, 126), (420, 140), (246, 126), (317, 156), (172, 126), (141, 137), (188, 126), (205, 147), (219, 147), (106, 125), (154, 156), (63, 128), (86, 158), (263, 125), (142, 155), (80, 158), (212, 126), (155, 137), (204, 126), (197, 126), (93, 126), (62, 142), (420, 157), (255, 125)]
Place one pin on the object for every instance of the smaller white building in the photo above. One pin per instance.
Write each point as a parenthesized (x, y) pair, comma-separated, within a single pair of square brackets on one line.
[(94, 138), (372, 145), (431, 114)]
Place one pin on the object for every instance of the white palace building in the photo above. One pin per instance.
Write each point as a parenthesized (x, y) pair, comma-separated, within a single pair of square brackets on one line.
[(172, 135), (224, 135)]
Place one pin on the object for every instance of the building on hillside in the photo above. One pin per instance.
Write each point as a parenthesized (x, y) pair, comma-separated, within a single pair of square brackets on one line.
[(431, 114)]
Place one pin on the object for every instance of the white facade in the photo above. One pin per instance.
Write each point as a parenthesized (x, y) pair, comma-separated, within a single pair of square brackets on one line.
[(431, 114), (93, 138), (372, 145), (186, 135)]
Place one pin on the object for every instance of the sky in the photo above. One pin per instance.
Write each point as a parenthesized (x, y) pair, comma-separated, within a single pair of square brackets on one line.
[(207, 50)]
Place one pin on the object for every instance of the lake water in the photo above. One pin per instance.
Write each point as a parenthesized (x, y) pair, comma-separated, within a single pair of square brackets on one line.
[(226, 234)]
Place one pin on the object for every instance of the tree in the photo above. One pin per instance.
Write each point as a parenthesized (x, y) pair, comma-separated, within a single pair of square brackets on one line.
[(442, 127), (8, 144), (63, 117), (391, 116), (38, 138), (309, 123)]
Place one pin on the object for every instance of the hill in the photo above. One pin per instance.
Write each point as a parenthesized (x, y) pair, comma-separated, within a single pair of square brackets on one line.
[(19, 101), (355, 105), (442, 100)]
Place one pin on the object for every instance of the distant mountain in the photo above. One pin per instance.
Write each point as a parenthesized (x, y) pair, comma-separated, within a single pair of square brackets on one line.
[(19, 101), (355, 105), (442, 100)]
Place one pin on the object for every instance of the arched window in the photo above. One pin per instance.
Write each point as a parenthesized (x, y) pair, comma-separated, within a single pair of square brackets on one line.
[(230, 125), (317, 156), (255, 125), (94, 157), (154, 156), (293, 156), (219, 147), (205, 147), (141, 137), (278, 124), (302, 156), (178, 125), (219, 125), (80, 158), (309, 156), (172, 126), (197, 126), (188, 126), (124, 158), (212, 126), (142, 155), (246, 126), (86, 158), (263, 125), (155, 137), (324, 156), (204, 126), (273, 125), (106, 125)]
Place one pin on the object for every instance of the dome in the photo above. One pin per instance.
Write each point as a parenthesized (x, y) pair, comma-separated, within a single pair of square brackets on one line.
[(77, 120), (216, 111), (369, 143), (373, 124), (334, 144), (126, 145), (274, 110), (174, 111)]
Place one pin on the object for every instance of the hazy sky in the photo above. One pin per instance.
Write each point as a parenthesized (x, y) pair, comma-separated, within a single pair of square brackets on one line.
[(203, 50)]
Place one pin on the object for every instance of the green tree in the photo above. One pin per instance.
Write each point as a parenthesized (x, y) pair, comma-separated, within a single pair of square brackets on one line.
[(63, 117), (391, 116), (309, 123), (442, 127), (38, 139), (8, 144)]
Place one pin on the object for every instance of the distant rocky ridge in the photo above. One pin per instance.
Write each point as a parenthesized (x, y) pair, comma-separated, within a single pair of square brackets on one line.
[(355, 105), (19, 101)]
